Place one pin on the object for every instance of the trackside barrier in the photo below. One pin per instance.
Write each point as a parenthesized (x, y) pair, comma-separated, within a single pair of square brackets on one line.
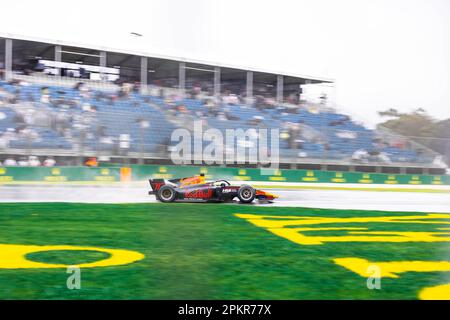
[(59, 174), (143, 172), (140, 172)]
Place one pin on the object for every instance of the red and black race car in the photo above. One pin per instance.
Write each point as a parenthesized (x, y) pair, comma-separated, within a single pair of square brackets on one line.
[(197, 189)]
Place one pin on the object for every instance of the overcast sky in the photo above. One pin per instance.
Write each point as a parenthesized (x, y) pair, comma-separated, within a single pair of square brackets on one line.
[(382, 53)]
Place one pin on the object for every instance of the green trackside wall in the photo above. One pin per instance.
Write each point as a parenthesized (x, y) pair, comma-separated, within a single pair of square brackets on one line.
[(143, 172), (312, 176), (58, 174)]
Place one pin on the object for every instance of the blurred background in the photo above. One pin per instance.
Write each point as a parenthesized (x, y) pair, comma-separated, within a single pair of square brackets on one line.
[(70, 102)]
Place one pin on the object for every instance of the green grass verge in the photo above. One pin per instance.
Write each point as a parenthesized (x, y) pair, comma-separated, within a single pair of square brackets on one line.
[(199, 251)]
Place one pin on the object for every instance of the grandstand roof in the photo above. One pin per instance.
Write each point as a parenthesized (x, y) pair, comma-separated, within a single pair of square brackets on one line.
[(117, 57)]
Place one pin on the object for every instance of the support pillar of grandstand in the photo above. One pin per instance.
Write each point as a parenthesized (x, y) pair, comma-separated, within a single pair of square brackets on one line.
[(144, 75), (216, 81), (182, 76), (102, 64), (280, 90), (8, 58), (249, 87), (58, 57)]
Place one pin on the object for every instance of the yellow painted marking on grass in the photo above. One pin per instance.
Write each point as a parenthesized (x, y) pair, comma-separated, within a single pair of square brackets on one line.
[(441, 292), (393, 268), (13, 256), (283, 226)]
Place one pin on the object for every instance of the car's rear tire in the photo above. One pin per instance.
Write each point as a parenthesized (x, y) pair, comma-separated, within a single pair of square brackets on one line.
[(246, 194), (166, 194)]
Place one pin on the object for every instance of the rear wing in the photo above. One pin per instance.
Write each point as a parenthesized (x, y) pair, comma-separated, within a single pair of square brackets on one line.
[(156, 184)]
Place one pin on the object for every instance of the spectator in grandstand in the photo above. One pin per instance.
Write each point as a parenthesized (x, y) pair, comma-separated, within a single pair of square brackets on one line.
[(230, 98), (3, 142), (86, 107), (4, 95), (360, 155), (7, 136), (34, 161), (292, 99), (83, 90), (293, 131), (28, 134), (45, 95), (61, 121), (211, 108), (340, 121), (91, 162), (12, 97), (270, 102), (288, 108), (2, 70), (125, 90), (49, 162), (23, 162), (255, 121), (221, 116), (376, 155), (181, 109), (195, 91), (230, 116), (384, 158), (10, 162)]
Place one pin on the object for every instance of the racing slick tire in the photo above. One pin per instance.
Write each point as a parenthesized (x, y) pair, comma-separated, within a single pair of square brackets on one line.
[(166, 194), (246, 194)]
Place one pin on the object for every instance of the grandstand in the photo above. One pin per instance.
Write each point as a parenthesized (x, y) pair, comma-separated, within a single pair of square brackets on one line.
[(71, 101)]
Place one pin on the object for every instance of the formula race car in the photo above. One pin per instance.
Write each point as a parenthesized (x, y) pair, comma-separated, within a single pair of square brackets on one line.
[(197, 189)]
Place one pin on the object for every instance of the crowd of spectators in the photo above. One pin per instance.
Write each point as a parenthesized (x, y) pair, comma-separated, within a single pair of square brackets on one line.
[(76, 119), (30, 161)]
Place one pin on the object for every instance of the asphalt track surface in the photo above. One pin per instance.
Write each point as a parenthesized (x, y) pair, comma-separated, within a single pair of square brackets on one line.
[(332, 199)]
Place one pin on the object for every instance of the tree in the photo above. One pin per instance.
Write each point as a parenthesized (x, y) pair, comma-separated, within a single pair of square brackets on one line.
[(420, 127)]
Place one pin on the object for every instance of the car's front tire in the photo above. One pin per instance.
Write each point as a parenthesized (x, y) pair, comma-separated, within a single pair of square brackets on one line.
[(167, 194), (246, 194)]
